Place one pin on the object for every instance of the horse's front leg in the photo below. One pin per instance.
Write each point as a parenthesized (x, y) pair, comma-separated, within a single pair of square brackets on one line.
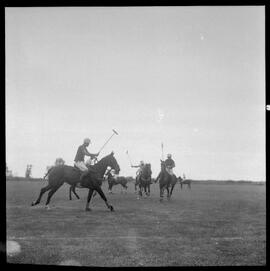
[(168, 192), (140, 189), (102, 195), (70, 197), (162, 188), (171, 190), (110, 187), (90, 193)]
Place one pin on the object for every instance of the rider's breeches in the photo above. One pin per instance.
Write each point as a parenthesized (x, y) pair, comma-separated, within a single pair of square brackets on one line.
[(169, 170), (81, 165)]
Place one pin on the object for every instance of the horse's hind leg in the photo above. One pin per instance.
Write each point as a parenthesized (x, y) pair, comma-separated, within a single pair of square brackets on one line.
[(100, 192), (42, 191), (74, 192), (53, 190)]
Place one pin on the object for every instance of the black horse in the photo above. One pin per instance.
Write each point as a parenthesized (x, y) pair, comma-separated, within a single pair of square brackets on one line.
[(68, 174), (145, 179), (184, 181), (166, 181), (115, 181)]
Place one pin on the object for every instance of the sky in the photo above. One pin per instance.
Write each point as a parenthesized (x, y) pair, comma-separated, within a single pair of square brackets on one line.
[(190, 77)]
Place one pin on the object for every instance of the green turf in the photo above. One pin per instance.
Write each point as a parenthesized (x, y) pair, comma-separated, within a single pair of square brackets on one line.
[(209, 225)]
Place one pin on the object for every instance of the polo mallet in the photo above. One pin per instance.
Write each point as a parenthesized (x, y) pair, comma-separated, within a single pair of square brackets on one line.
[(162, 154), (129, 158), (114, 133)]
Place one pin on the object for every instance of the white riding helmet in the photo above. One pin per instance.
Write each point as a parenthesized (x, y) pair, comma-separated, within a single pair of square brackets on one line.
[(169, 155), (87, 140)]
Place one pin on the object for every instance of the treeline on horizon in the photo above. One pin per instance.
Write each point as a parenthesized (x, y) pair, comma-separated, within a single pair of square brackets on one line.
[(132, 179)]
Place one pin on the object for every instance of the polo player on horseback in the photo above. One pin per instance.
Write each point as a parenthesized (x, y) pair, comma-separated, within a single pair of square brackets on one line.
[(79, 158), (169, 164), (139, 171)]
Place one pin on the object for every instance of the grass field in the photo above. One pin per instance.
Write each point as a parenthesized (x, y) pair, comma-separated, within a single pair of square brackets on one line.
[(210, 225)]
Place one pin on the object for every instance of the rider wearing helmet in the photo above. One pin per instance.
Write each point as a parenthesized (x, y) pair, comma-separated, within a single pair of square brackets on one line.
[(170, 164), (79, 158)]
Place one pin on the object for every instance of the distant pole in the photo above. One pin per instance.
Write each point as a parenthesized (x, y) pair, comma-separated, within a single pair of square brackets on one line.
[(162, 154)]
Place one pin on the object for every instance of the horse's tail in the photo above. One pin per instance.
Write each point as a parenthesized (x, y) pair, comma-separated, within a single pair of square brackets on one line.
[(49, 170)]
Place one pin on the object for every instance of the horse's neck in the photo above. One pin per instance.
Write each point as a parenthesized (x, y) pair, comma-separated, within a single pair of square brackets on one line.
[(100, 167)]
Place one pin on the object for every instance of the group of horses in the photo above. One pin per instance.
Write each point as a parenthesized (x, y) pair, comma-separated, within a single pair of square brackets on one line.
[(59, 175)]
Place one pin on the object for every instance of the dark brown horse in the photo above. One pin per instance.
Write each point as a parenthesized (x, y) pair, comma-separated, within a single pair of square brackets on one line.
[(72, 188), (166, 181), (68, 174), (115, 180), (184, 181), (145, 180)]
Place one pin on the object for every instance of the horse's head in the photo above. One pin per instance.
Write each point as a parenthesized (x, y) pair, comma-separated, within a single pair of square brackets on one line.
[(112, 163), (180, 179)]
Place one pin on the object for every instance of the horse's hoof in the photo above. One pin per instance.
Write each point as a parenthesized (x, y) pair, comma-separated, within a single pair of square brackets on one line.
[(32, 203), (88, 209), (111, 208), (47, 207)]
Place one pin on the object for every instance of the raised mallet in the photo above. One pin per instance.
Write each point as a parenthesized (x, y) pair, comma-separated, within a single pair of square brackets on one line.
[(114, 133), (129, 158)]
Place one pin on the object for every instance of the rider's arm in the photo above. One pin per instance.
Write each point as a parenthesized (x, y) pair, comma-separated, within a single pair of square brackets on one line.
[(92, 155)]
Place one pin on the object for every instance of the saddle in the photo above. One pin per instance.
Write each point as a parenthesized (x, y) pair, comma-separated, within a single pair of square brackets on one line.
[(90, 169)]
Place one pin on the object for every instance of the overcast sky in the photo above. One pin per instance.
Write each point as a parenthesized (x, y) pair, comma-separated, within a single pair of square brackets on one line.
[(190, 77)]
